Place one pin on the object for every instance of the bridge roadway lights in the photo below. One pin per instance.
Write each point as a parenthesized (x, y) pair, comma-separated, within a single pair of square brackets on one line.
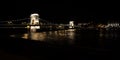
[(34, 28)]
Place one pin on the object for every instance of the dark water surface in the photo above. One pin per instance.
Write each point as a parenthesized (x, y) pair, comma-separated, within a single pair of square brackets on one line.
[(83, 44)]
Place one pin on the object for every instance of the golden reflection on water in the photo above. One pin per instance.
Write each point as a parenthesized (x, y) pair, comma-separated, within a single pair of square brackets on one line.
[(37, 36), (59, 35), (12, 35), (25, 36), (71, 35)]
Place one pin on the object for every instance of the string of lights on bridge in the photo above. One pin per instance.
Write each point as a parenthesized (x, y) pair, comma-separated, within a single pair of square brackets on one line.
[(16, 20), (25, 20)]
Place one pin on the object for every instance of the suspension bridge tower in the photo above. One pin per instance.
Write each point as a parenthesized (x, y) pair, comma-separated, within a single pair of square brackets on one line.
[(34, 21), (71, 24)]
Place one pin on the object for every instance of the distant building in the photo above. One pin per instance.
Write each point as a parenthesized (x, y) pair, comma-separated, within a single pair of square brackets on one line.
[(112, 25)]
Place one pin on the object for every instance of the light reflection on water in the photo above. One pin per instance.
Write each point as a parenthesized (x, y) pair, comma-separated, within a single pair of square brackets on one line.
[(109, 34), (25, 36), (100, 38), (51, 36)]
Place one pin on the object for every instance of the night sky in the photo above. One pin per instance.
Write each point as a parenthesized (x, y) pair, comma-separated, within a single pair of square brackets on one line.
[(61, 10)]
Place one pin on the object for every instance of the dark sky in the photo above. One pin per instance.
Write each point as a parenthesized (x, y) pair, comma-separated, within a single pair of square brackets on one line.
[(61, 10)]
